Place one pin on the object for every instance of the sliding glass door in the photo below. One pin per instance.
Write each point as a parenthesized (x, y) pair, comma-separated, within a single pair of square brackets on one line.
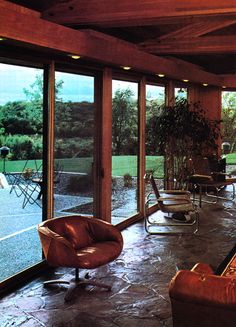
[(155, 98), (74, 144), (21, 149), (125, 145)]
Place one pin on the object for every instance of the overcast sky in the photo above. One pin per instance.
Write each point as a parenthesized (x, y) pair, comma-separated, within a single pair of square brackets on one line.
[(13, 80), (76, 88)]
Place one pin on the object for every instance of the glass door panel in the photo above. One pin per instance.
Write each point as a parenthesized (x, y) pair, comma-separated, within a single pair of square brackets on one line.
[(155, 97), (228, 130), (124, 150), (21, 149), (74, 144), (181, 93)]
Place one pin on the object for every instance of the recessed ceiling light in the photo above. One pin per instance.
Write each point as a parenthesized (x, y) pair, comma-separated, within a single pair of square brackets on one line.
[(204, 84), (74, 56), (223, 87), (160, 75), (185, 80), (126, 67), (2, 38)]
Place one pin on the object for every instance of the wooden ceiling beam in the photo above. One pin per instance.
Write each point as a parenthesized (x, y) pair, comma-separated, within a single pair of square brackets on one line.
[(19, 9), (193, 45), (133, 12), (41, 34), (198, 29)]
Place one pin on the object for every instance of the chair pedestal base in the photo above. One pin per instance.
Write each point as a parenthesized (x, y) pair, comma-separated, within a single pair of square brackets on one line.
[(73, 285)]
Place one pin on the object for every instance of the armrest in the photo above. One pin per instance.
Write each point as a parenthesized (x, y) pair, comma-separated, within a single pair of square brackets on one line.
[(211, 290), (56, 237), (203, 268)]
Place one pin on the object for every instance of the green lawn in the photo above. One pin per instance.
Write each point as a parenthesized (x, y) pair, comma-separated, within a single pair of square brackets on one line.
[(82, 165), (18, 165), (231, 159), (121, 165)]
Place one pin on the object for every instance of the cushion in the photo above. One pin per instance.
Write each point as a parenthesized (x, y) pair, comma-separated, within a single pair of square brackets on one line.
[(78, 234)]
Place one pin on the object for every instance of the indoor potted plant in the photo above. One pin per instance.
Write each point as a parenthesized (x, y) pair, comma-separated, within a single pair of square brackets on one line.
[(181, 132)]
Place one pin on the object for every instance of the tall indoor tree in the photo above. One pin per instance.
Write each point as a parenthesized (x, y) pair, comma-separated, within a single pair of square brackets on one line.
[(181, 132)]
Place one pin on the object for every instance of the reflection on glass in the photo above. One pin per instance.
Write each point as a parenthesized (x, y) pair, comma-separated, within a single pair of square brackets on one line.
[(21, 112), (155, 97), (124, 150), (74, 144)]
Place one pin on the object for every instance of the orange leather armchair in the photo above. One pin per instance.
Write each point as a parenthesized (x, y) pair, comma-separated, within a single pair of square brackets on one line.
[(199, 298), (79, 242)]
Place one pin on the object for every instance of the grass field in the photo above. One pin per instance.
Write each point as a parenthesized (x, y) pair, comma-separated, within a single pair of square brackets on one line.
[(121, 165), (231, 159)]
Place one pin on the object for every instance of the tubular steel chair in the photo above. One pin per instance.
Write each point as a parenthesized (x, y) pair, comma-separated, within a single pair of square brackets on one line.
[(177, 204), (79, 242), (205, 178)]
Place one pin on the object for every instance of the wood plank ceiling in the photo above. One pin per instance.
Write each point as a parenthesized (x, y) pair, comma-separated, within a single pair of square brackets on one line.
[(197, 31)]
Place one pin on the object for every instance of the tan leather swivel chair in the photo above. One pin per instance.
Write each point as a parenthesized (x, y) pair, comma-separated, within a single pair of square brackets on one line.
[(79, 242), (199, 298)]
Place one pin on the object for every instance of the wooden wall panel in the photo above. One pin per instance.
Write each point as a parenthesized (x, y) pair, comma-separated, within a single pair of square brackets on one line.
[(210, 98)]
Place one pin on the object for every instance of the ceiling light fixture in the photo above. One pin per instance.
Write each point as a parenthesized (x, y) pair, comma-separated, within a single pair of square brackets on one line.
[(160, 75), (204, 84), (223, 87), (185, 80), (2, 38), (126, 67), (74, 56)]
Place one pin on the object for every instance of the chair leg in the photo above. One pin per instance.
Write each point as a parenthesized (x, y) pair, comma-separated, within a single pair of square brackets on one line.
[(82, 283), (78, 282)]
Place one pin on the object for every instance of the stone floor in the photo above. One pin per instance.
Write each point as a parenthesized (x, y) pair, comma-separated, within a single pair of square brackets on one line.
[(140, 278)]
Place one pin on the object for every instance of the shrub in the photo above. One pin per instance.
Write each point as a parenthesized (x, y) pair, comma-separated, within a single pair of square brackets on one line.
[(128, 180)]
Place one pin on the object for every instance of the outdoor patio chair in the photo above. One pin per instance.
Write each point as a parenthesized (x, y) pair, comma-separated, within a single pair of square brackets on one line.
[(23, 183), (181, 211), (79, 242), (209, 176)]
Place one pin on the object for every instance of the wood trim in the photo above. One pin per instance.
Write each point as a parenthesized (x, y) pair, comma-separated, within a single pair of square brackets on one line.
[(142, 152), (50, 36), (50, 141), (106, 145)]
